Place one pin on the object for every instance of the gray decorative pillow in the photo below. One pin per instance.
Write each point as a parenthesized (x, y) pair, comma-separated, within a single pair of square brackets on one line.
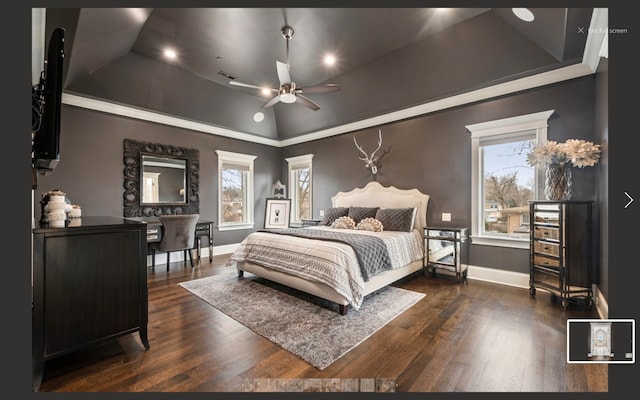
[(359, 213), (334, 213), (396, 219)]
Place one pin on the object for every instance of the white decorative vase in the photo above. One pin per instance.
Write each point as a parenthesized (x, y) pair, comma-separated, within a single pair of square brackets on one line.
[(56, 210), (76, 211), (57, 219)]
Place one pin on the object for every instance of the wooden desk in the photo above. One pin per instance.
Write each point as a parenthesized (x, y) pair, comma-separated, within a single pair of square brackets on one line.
[(204, 229)]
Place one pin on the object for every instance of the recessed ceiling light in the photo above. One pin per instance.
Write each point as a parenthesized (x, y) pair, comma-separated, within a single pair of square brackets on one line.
[(523, 13), (258, 117), (329, 59), (170, 54)]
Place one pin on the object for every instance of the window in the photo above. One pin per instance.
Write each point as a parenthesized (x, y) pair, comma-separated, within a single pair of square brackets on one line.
[(502, 181), (300, 183), (235, 190)]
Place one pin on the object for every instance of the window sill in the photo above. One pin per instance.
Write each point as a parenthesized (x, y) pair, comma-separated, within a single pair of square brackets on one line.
[(500, 242), (234, 227)]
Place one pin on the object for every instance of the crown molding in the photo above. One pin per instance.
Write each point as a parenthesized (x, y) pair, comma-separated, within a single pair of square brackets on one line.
[(132, 112), (591, 58)]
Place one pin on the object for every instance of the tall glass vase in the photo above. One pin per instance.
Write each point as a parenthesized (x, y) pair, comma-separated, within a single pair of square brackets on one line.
[(557, 185)]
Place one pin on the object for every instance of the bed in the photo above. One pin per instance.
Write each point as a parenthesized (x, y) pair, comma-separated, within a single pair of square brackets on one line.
[(312, 260)]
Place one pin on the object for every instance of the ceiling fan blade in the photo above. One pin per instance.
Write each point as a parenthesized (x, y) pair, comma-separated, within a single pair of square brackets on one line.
[(306, 102), (331, 87), (235, 83), (283, 73), (271, 102)]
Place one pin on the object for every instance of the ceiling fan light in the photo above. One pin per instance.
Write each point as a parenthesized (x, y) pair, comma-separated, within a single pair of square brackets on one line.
[(288, 98)]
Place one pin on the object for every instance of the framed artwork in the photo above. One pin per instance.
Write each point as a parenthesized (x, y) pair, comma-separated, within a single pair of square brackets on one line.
[(277, 213), (279, 190)]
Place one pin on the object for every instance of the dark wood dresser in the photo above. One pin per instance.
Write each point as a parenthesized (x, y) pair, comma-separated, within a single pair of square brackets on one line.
[(89, 285)]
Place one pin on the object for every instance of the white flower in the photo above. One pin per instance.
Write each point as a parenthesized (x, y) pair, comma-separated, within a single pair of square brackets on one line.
[(583, 153), (580, 153)]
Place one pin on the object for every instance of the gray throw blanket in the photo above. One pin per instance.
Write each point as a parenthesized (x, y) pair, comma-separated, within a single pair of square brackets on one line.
[(372, 253)]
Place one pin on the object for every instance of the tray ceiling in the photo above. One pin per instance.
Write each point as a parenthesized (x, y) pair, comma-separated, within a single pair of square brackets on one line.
[(388, 59)]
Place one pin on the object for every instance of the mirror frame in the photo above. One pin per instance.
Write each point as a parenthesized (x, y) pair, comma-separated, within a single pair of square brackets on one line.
[(133, 152)]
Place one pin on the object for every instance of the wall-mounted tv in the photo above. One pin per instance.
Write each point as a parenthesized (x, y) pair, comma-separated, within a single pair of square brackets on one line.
[(46, 105)]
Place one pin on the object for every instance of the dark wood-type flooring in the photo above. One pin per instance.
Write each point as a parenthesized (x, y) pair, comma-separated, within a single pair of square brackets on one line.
[(473, 337)]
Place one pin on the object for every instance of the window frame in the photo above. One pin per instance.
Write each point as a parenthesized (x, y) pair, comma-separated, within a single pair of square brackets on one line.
[(294, 163), (512, 127), (248, 161)]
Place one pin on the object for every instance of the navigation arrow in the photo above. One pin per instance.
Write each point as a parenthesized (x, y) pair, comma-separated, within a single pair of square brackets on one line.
[(630, 200)]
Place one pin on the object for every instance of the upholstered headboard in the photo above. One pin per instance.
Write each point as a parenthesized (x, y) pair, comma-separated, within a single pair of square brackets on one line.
[(376, 195)]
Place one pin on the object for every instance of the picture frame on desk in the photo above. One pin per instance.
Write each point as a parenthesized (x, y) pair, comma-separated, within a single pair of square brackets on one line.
[(277, 213)]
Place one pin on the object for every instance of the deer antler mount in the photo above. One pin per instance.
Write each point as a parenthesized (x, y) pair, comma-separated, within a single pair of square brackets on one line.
[(370, 161)]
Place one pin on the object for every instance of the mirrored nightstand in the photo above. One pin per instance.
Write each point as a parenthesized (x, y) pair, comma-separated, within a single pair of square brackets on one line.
[(311, 222), (447, 248)]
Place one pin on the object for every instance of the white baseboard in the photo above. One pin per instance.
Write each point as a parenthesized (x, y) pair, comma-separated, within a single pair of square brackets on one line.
[(521, 280), (502, 277), (161, 258), (224, 249)]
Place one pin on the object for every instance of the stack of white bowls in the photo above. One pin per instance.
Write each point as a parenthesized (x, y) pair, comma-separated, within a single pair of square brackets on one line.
[(56, 209)]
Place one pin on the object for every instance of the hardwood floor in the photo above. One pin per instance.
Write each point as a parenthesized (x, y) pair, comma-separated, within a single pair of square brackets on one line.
[(474, 337)]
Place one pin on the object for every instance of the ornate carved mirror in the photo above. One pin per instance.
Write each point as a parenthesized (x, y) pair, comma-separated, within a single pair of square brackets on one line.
[(160, 179)]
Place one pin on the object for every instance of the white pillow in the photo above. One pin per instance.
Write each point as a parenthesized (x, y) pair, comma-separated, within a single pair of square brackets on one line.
[(370, 224), (343, 223)]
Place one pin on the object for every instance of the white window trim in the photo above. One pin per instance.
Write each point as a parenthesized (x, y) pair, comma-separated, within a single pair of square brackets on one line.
[(305, 160), (536, 121), (227, 156)]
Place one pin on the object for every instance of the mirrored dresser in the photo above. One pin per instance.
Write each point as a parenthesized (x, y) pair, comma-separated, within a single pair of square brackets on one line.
[(561, 246)]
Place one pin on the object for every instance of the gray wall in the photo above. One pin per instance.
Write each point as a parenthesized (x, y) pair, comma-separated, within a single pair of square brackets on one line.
[(431, 153), (91, 164)]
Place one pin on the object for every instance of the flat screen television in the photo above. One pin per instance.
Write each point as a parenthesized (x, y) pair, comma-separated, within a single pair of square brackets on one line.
[(46, 105)]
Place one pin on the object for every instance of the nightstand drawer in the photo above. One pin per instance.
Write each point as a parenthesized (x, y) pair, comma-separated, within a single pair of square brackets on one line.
[(540, 232), (546, 261), (551, 249), (311, 222)]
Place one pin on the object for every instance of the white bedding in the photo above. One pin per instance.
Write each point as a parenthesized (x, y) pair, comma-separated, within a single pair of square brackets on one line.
[(332, 263)]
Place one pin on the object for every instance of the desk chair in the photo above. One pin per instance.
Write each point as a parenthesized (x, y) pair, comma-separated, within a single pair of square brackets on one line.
[(178, 233)]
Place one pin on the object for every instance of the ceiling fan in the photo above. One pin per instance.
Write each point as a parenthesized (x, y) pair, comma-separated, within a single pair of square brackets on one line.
[(288, 92)]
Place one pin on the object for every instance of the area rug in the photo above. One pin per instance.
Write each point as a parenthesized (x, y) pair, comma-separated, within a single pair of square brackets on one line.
[(304, 325)]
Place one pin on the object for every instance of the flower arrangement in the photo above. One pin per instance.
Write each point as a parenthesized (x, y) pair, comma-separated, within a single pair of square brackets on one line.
[(579, 153)]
